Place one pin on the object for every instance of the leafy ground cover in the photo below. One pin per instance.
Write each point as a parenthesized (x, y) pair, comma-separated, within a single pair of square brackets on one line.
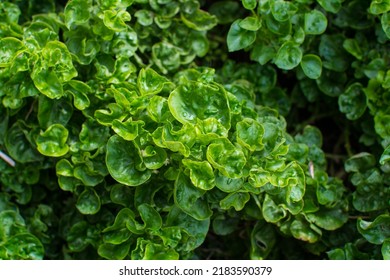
[(185, 129)]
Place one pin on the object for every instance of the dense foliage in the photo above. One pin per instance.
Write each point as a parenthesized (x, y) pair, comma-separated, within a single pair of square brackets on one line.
[(190, 129)]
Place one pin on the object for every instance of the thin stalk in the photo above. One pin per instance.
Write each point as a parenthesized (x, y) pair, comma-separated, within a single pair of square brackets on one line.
[(7, 159)]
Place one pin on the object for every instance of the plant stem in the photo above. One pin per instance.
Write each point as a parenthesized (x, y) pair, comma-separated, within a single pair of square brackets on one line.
[(7, 159)]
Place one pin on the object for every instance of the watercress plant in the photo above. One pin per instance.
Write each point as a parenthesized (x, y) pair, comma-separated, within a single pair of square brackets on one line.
[(158, 129)]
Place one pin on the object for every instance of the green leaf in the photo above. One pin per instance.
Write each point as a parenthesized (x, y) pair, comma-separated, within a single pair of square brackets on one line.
[(379, 6), (199, 20), (249, 4), (236, 200), (352, 46), (52, 142), (385, 22), (9, 48), (116, 20), (196, 100), (227, 158), (53, 111), (18, 144), (302, 230), (263, 240), (227, 184), (239, 38), (250, 23), (353, 101), (288, 56), (191, 199), (201, 174), (272, 212), (312, 66), (360, 162), (88, 202), (329, 219), (23, 246), (128, 130), (283, 10), (150, 82), (332, 6), (114, 252), (122, 160), (315, 22), (250, 134), (77, 12), (386, 249), (375, 232), (144, 17)]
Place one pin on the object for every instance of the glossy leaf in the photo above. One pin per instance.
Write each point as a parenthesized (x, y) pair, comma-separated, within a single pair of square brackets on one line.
[(312, 66), (201, 174), (190, 199), (288, 56), (377, 231), (236, 200), (353, 101), (239, 38), (315, 22), (52, 142), (250, 134), (122, 160), (88, 202)]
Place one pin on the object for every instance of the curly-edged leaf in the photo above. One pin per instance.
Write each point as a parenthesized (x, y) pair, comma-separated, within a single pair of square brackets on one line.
[(122, 160), (52, 111), (288, 56), (353, 101), (250, 134), (249, 4), (312, 66), (166, 56), (227, 184), (386, 249), (385, 22), (122, 195), (197, 229), (77, 12), (150, 217), (311, 136), (147, 250), (87, 175), (251, 23), (237, 200), (114, 252), (175, 140), (304, 231), (118, 232), (150, 82), (52, 142), (22, 246), (201, 174), (191, 199), (9, 48), (227, 158), (334, 56), (385, 157), (11, 223), (128, 130), (79, 91), (239, 38), (199, 20), (154, 157), (224, 225), (263, 240), (124, 44), (88, 202), (332, 6), (382, 124), (272, 212), (328, 219), (283, 10), (144, 17), (107, 116), (330, 192), (92, 135), (360, 162), (18, 145), (47, 82), (115, 20), (196, 100), (315, 22), (378, 7), (377, 231)]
